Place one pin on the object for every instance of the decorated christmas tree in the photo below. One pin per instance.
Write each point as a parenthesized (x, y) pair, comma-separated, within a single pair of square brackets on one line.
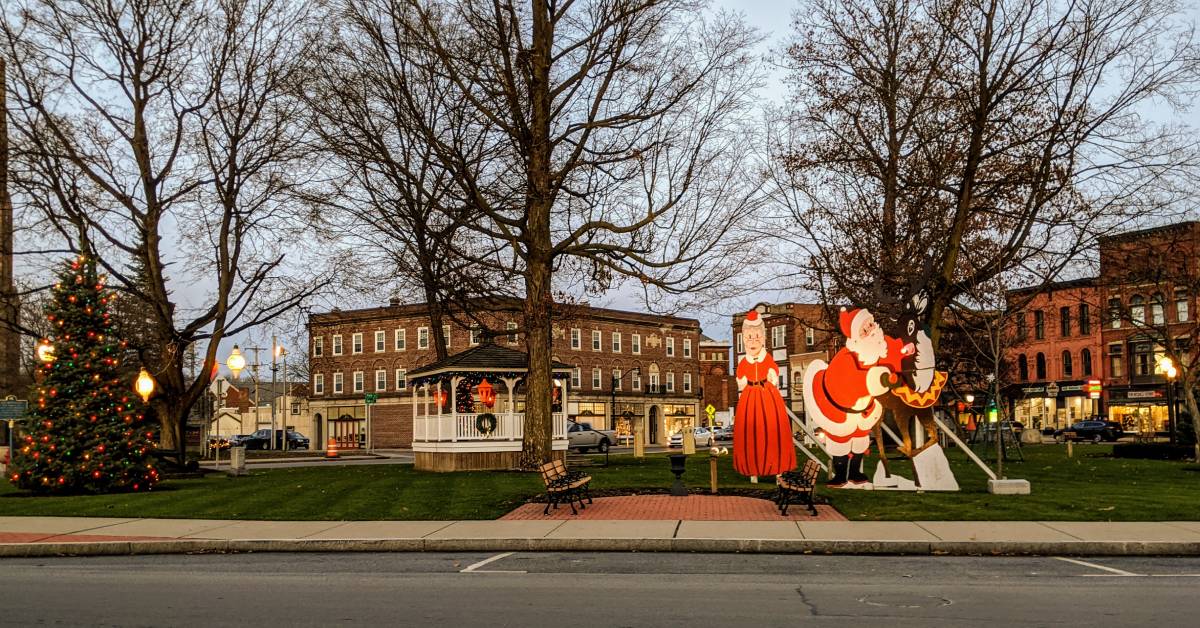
[(86, 431)]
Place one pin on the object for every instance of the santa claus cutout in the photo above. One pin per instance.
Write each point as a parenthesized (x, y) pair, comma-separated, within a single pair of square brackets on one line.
[(840, 396), (762, 438)]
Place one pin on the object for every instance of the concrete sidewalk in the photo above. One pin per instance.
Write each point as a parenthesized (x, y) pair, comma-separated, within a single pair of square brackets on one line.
[(50, 536)]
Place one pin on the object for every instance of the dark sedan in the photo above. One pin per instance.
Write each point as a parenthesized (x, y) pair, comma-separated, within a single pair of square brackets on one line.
[(1095, 431), (258, 440)]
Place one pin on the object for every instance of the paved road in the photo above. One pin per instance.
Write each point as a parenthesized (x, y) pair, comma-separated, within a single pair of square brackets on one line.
[(604, 589)]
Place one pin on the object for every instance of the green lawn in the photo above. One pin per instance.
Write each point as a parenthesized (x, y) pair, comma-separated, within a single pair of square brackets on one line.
[(1089, 487)]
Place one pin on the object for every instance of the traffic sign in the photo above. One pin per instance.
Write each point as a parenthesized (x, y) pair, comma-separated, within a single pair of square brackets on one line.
[(13, 408), (371, 398), (710, 411)]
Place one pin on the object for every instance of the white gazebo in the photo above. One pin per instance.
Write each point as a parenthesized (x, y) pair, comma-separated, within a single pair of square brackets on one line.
[(465, 414)]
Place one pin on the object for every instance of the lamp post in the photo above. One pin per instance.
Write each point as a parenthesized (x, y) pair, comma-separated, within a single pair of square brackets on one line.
[(277, 352), (144, 385), (1167, 368)]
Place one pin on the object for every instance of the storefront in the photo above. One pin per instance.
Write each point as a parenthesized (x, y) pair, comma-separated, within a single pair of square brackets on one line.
[(625, 421), (594, 412), (1141, 410), (679, 416), (1053, 406)]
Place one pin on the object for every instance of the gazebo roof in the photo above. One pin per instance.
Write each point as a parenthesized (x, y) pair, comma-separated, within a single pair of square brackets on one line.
[(486, 358)]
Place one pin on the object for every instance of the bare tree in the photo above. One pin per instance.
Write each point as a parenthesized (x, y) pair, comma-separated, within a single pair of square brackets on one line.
[(922, 129), (619, 146), (162, 133)]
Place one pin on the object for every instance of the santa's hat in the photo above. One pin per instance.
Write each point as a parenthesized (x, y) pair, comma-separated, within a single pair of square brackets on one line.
[(752, 320), (852, 321)]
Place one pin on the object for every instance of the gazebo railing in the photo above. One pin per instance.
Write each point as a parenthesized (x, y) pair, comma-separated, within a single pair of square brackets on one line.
[(455, 427)]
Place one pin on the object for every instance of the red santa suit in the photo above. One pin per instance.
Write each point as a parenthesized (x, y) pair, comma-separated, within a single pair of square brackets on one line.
[(840, 396)]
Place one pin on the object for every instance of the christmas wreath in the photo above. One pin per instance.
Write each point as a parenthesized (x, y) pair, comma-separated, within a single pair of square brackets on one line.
[(486, 423)]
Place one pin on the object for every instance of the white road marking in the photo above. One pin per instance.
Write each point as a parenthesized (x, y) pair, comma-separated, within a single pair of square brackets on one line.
[(1110, 570), (475, 567)]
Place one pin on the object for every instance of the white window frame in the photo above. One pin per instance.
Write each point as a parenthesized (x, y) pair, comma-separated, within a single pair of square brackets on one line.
[(783, 380), (401, 379), (597, 379), (401, 340), (810, 336), (380, 384), (670, 347), (635, 380), (616, 379), (635, 344), (446, 335), (380, 341), (577, 378), (687, 382), (422, 338), (654, 381), (670, 381), (597, 340), (474, 335), (616, 342), (687, 347), (339, 383), (337, 344), (318, 346), (356, 343), (778, 336), (359, 382), (512, 338), (741, 348), (576, 338), (319, 384)]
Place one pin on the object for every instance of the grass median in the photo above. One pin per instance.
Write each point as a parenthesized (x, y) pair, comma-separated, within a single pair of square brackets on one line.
[(1088, 487)]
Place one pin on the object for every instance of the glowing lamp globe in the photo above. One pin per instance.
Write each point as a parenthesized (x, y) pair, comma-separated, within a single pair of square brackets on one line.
[(236, 361), (144, 385), (45, 351)]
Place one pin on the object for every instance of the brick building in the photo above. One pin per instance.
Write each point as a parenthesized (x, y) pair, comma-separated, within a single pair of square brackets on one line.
[(717, 386), (639, 365), (797, 334)]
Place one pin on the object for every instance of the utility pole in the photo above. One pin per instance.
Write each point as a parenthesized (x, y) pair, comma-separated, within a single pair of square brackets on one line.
[(254, 368), (10, 348)]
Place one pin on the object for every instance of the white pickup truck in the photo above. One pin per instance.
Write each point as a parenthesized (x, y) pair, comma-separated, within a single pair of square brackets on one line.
[(582, 436)]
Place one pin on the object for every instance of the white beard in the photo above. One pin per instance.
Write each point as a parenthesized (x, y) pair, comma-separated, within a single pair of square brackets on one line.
[(923, 378), (868, 350)]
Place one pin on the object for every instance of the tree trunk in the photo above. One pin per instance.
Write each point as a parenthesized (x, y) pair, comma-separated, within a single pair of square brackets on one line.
[(1189, 399), (536, 447), (436, 314)]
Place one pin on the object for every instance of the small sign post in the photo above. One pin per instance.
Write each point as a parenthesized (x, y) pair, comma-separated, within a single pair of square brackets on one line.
[(370, 399), (12, 410)]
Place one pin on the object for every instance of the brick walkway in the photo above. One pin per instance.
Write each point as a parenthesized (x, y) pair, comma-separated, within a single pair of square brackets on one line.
[(690, 508)]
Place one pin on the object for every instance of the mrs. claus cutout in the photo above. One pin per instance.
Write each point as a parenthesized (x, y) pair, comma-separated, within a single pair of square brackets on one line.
[(762, 436)]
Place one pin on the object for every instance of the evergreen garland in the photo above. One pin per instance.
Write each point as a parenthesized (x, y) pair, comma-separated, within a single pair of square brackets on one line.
[(86, 432)]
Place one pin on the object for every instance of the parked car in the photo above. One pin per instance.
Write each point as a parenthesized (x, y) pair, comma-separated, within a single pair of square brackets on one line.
[(723, 434), (704, 438), (258, 440), (1095, 431), (1017, 426), (583, 437)]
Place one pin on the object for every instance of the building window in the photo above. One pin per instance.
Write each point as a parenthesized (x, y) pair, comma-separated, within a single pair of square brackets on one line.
[(295, 407), (1064, 321), (401, 340), (596, 339), (1085, 321), (1041, 366), (380, 380), (474, 335), (616, 379), (1137, 309), (337, 383), (670, 381), (616, 342), (337, 344), (783, 379), (635, 379), (576, 378), (1157, 317), (1116, 360), (1039, 324), (596, 383), (446, 335), (810, 337), (654, 381), (1114, 313), (318, 384), (512, 338), (401, 379), (778, 336), (740, 347), (1067, 367), (1145, 358), (358, 381), (1023, 367), (318, 346), (635, 344), (356, 344), (1085, 361), (1181, 306), (687, 382), (576, 339), (670, 347), (380, 341), (1020, 326), (422, 338), (687, 347)]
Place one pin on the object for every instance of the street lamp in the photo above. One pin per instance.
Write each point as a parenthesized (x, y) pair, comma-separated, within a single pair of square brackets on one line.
[(45, 351), (1167, 367), (236, 361), (970, 398), (144, 385)]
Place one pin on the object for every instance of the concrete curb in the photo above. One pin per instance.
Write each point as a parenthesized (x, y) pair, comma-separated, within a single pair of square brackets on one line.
[(726, 546)]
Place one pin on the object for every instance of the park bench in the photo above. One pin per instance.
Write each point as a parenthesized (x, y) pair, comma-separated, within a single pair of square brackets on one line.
[(793, 484), (562, 484)]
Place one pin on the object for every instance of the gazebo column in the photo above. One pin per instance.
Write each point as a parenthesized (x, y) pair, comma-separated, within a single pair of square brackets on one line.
[(511, 383), (414, 414), (563, 383), (454, 407), (439, 411)]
